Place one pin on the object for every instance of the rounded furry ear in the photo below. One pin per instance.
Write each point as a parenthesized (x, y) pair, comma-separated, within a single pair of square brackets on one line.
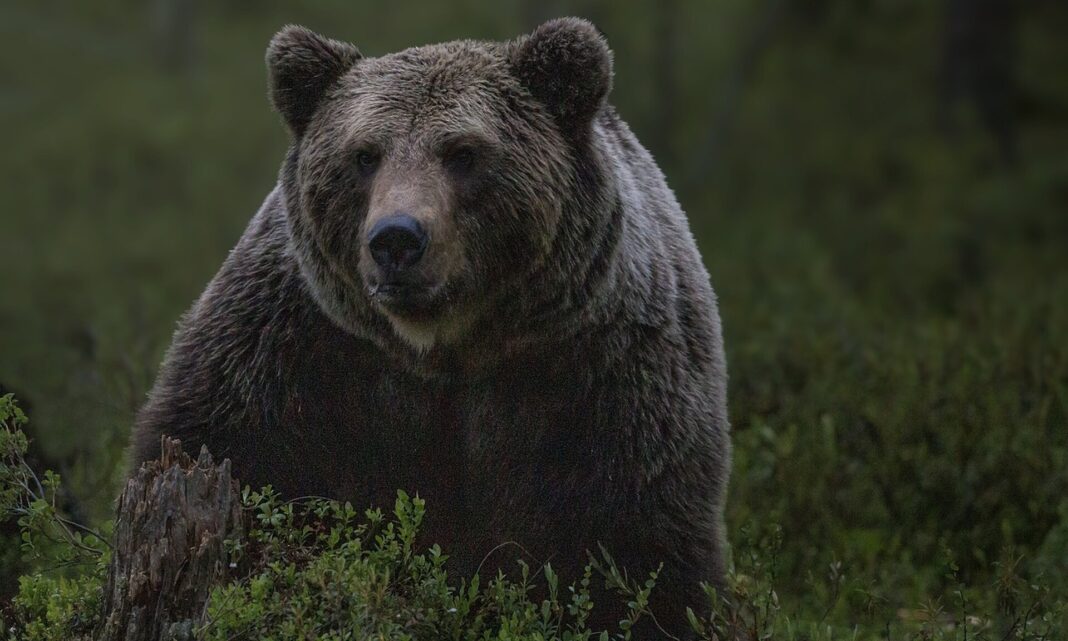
[(567, 65), (301, 66)]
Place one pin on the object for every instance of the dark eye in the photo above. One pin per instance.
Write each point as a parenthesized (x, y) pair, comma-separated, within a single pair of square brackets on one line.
[(366, 162), (461, 158)]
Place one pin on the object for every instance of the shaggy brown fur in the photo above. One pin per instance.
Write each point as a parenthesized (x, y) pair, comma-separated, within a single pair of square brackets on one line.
[(554, 378)]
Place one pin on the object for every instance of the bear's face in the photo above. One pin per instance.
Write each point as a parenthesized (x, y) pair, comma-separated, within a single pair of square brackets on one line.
[(423, 185)]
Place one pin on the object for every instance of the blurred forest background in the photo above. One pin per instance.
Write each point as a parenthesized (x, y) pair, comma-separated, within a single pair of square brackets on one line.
[(879, 188)]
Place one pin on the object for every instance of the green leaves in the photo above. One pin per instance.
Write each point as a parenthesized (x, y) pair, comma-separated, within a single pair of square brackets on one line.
[(312, 569), (49, 606)]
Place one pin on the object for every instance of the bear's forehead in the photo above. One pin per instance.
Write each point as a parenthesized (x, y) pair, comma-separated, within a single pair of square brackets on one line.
[(434, 72), (455, 85)]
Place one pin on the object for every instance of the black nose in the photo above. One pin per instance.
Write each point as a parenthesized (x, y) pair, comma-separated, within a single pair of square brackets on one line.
[(397, 242)]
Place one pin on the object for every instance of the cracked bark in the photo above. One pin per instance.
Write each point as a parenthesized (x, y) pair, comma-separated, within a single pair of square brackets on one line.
[(172, 520)]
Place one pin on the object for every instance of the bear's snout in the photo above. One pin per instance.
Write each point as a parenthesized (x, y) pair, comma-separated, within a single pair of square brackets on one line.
[(397, 243)]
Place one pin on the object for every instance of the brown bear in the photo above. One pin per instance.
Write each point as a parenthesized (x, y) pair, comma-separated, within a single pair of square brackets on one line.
[(471, 283)]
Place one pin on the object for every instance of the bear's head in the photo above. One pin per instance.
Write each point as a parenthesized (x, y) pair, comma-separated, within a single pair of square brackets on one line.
[(442, 195)]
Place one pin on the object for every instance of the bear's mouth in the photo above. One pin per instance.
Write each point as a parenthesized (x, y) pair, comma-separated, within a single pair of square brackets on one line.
[(409, 300)]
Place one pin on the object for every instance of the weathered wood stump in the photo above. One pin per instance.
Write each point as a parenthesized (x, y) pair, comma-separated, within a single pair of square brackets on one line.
[(173, 518)]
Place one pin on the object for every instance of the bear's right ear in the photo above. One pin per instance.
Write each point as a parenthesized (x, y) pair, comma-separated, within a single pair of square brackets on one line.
[(301, 66)]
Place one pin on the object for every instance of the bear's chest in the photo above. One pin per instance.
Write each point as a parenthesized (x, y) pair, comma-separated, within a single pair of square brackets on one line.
[(369, 429), (502, 456)]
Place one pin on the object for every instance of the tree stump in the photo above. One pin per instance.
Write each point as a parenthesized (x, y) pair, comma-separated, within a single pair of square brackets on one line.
[(173, 518)]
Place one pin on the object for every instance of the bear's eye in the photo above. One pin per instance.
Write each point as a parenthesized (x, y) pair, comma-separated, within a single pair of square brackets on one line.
[(461, 158), (366, 162)]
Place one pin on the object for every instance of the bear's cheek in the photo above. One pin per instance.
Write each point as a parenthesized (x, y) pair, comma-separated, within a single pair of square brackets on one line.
[(333, 209), (498, 237)]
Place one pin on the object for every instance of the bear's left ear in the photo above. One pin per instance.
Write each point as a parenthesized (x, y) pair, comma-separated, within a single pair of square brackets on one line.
[(567, 65), (301, 66)]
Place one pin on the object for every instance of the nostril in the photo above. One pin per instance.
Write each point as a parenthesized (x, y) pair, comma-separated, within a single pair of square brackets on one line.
[(397, 242)]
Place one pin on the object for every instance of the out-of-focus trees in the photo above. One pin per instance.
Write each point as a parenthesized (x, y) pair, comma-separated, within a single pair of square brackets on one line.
[(892, 296)]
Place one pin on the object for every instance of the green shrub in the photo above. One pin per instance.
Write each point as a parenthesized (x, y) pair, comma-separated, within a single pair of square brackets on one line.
[(62, 600), (338, 576), (318, 569)]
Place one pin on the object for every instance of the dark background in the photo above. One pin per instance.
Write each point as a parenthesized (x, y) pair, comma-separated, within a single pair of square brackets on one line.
[(879, 188)]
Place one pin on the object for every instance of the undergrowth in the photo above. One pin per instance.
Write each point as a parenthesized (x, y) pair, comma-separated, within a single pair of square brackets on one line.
[(319, 569)]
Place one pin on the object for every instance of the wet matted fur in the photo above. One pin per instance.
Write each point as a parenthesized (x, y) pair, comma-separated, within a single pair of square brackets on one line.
[(561, 381)]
